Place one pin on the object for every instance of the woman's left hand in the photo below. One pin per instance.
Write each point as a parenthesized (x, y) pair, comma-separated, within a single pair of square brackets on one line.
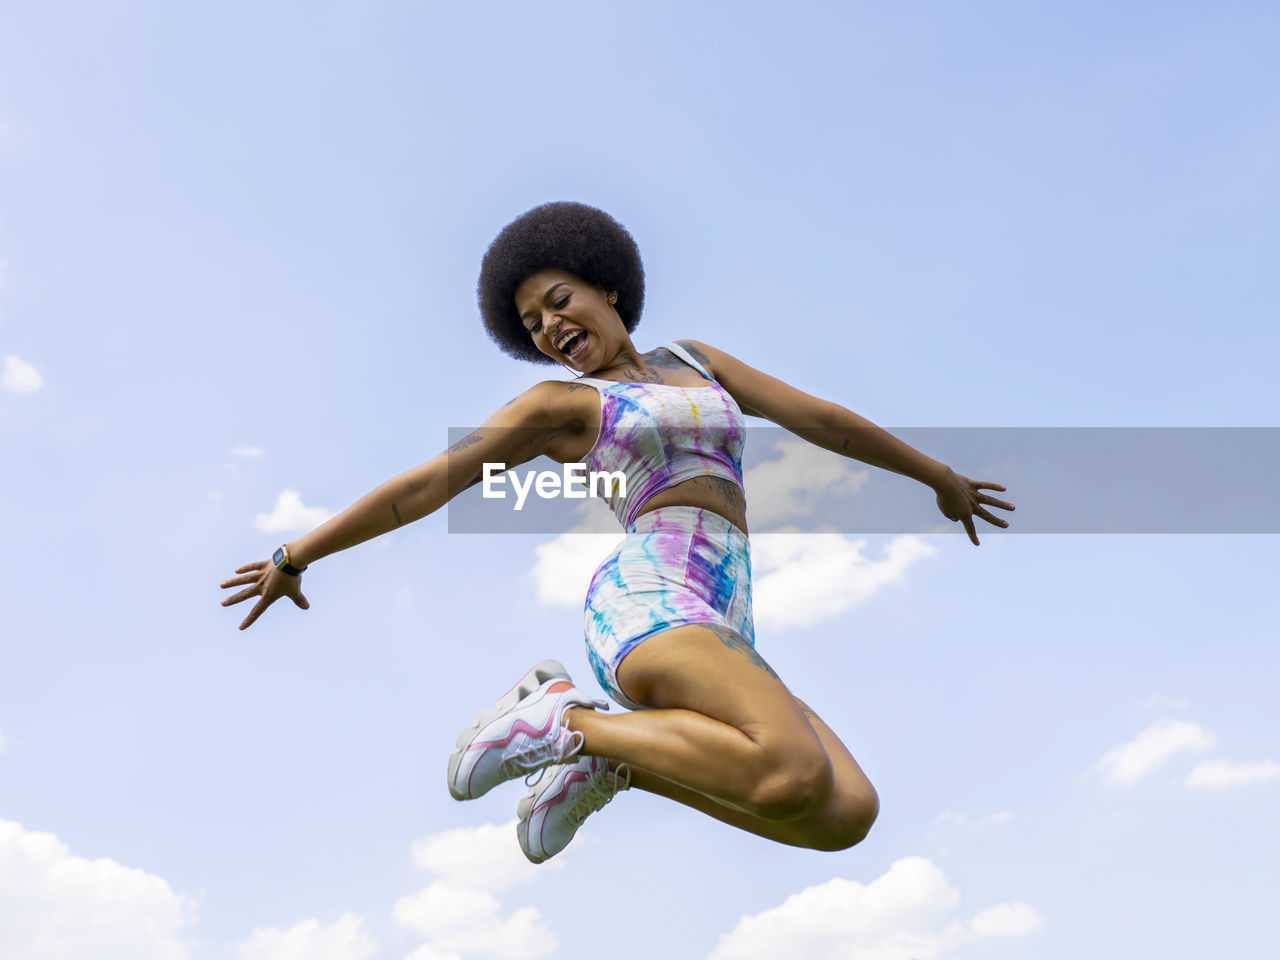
[(959, 498)]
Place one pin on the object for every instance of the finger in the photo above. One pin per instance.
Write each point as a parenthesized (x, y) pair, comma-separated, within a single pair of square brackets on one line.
[(986, 485), (253, 614), (992, 501), (237, 581), (973, 534), (302, 602), (242, 595), (251, 566), (997, 521)]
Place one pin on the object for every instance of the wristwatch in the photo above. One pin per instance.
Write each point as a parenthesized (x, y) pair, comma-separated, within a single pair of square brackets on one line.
[(281, 559)]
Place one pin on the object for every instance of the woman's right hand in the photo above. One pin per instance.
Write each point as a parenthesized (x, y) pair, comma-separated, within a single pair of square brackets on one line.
[(268, 584)]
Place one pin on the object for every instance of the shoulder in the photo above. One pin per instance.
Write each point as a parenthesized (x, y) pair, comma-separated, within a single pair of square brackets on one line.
[(704, 354), (551, 400), (756, 392)]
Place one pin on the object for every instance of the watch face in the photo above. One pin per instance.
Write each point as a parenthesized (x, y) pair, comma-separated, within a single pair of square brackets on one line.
[(278, 557)]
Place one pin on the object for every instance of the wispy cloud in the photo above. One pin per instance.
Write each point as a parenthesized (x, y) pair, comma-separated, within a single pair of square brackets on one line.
[(289, 515), (1217, 774), (248, 453), (310, 940), (794, 482), (20, 376), (901, 914), (458, 913), (1130, 762), (1158, 702)]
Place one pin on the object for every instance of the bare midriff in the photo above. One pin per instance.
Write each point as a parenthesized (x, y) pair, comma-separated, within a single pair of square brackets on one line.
[(720, 496)]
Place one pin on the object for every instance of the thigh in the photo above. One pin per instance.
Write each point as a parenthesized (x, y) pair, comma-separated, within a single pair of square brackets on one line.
[(712, 670)]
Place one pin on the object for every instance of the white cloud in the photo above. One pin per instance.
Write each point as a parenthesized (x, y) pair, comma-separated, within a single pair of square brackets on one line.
[(20, 376), (1216, 774), (563, 568), (248, 453), (901, 915), (799, 579), (309, 940), (459, 921), (486, 857), (797, 481), (1005, 920), (290, 515), (428, 953), (58, 906), (458, 913), (1129, 762)]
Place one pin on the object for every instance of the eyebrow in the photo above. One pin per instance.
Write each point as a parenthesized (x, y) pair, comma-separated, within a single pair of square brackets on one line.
[(545, 297)]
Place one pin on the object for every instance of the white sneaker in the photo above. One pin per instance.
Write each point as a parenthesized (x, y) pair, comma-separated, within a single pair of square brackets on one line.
[(518, 736), (558, 803)]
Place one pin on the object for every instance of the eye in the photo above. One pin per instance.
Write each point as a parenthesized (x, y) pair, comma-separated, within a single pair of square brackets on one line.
[(535, 326), (562, 301)]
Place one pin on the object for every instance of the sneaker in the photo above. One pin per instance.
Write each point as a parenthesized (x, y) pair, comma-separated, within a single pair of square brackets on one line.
[(538, 674), (517, 737), (565, 796)]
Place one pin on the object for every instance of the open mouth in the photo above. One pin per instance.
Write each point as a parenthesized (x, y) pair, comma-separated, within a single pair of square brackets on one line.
[(575, 345)]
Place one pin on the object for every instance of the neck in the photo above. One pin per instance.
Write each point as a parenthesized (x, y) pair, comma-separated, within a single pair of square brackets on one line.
[(625, 356)]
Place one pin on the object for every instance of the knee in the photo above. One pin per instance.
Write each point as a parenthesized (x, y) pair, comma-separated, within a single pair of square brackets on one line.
[(792, 786), (851, 820)]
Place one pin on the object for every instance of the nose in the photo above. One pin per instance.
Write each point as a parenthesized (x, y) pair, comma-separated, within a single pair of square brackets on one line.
[(552, 326)]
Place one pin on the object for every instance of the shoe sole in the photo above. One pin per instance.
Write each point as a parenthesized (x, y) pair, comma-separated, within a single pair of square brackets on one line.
[(539, 674), (524, 811)]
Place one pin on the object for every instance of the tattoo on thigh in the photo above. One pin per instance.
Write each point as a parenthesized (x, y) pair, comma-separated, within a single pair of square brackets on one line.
[(734, 641)]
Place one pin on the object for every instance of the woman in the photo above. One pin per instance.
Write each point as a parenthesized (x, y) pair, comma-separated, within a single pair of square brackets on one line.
[(668, 613)]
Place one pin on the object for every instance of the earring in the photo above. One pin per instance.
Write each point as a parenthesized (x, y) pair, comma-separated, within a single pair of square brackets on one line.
[(612, 298)]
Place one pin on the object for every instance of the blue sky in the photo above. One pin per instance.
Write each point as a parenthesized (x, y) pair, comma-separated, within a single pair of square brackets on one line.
[(238, 252)]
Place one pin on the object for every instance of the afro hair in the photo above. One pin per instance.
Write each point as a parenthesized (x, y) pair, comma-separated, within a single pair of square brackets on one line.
[(569, 236)]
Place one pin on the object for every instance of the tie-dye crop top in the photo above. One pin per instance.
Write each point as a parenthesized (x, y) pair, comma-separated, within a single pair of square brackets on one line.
[(658, 435)]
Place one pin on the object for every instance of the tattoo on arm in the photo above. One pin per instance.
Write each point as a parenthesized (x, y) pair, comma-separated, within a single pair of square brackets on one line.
[(845, 445), (580, 386), (470, 440), (696, 353), (396, 511), (735, 641)]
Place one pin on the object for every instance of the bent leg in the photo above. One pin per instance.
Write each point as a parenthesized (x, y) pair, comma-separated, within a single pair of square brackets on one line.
[(837, 825), (725, 736)]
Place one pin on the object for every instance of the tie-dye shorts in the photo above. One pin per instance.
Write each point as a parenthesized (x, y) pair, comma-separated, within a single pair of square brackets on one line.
[(677, 566)]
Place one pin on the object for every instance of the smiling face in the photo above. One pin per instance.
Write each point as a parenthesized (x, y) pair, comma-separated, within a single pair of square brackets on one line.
[(570, 320)]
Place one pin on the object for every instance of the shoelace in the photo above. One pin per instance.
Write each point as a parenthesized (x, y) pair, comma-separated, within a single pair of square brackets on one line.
[(531, 756), (600, 788)]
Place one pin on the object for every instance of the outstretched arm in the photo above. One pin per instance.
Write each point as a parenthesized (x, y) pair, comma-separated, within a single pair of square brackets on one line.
[(836, 428), (523, 429)]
